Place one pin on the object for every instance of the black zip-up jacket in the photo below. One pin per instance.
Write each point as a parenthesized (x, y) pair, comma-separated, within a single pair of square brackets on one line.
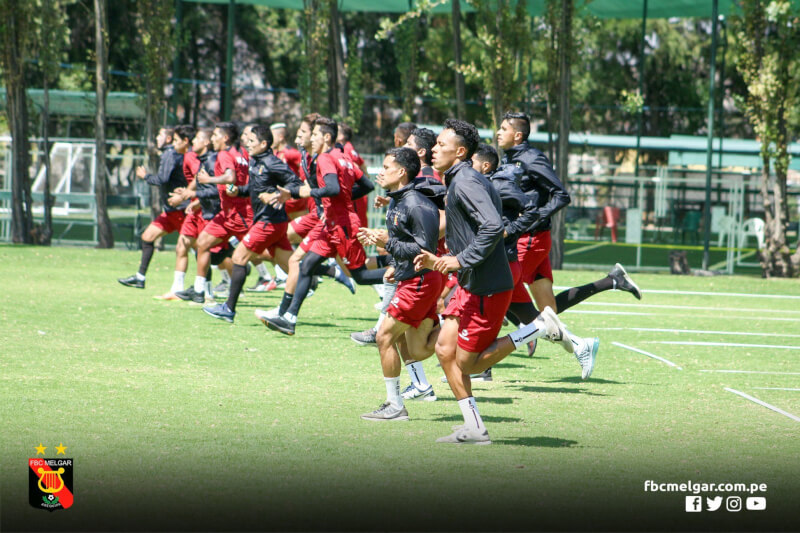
[(539, 182), (519, 211), (474, 230), (208, 193), (413, 224), (170, 177), (267, 171)]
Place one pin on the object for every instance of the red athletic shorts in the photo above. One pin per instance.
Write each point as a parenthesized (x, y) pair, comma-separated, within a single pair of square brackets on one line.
[(193, 224), (520, 293), (304, 224), (533, 252), (416, 299), (479, 317), (296, 204), (223, 227), (331, 240), (267, 236), (170, 221)]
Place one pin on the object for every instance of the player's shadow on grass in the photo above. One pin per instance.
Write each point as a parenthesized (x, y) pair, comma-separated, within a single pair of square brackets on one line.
[(528, 388), (486, 418), (508, 365), (538, 442), (577, 379)]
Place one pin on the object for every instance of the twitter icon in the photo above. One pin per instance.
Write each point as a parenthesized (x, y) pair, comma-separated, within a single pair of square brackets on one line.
[(712, 504)]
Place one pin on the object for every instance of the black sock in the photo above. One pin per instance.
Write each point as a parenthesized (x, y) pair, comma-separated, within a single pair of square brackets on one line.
[(368, 277), (300, 293), (576, 295), (513, 318), (147, 255), (237, 281), (524, 311), (286, 301)]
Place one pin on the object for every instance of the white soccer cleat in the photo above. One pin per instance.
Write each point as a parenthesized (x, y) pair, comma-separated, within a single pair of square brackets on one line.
[(587, 356), (555, 330)]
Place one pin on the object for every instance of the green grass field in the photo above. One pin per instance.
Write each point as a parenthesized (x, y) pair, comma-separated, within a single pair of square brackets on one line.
[(177, 421)]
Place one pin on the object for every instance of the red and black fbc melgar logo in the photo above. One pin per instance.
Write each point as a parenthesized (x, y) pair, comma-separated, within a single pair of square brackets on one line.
[(50, 483)]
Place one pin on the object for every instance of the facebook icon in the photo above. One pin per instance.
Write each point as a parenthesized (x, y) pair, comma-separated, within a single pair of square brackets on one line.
[(694, 504)]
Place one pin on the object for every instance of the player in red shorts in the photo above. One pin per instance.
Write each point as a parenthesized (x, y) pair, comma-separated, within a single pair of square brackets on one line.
[(336, 232), (268, 232), (412, 223), (236, 214), (475, 313), (173, 144)]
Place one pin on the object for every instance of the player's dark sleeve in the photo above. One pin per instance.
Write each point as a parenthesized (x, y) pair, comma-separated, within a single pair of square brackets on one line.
[(481, 210), (244, 190), (362, 187), (287, 179), (528, 215), (559, 197), (331, 187), (207, 192), (424, 228)]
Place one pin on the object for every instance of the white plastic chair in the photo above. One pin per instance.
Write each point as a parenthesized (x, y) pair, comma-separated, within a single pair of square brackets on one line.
[(752, 227), (725, 226)]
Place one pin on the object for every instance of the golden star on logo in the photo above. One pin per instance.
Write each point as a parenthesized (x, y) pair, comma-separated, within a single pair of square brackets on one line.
[(60, 449), (40, 449)]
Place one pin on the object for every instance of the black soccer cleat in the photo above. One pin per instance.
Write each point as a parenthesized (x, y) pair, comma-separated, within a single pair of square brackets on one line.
[(280, 324), (189, 295), (623, 282), (132, 281)]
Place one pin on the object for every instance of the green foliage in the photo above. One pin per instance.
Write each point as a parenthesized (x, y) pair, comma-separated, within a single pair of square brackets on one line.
[(355, 87), (156, 45), (313, 78)]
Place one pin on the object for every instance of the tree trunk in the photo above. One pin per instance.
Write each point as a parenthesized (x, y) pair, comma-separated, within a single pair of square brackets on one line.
[(17, 112), (105, 235), (461, 109), (564, 53), (47, 231)]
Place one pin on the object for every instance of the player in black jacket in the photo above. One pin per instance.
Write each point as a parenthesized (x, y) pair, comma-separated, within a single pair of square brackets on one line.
[(268, 231), (173, 144), (412, 223), (475, 313)]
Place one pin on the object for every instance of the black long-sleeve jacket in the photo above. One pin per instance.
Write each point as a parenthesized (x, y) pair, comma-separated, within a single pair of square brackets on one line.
[(474, 230), (519, 210), (267, 171), (539, 182), (170, 177), (413, 224), (208, 193)]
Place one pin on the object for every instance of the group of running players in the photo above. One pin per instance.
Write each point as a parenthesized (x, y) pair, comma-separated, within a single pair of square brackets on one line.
[(465, 245)]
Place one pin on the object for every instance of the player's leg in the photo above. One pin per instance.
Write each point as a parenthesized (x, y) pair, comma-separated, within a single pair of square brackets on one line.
[(414, 349), (149, 236), (393, 408)]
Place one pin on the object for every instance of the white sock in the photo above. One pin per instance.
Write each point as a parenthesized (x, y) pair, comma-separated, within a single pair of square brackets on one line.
[(225, 276), (261, 268), (472, 418), (393, 392), (381, 318), (177, 281), (578, 343), (199, 284), (417, 375), (209, 289), (279, 273), (526, 333), (140, 277)]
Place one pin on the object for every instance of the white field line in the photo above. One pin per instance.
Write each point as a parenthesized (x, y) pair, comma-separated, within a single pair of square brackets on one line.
[(648, 354), (754, 372), (691, 307), (734, 344), (584, 248), (764, 404), (699, 293), (628, 313), (777, 388), (701, 331)]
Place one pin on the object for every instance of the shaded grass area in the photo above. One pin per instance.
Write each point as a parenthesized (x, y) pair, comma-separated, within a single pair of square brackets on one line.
[(180, 422)]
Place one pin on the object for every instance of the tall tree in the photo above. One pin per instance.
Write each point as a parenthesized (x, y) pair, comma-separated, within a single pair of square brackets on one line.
[(337, 74), (768, 41), (16, 27), (315, 41), (105, 234)]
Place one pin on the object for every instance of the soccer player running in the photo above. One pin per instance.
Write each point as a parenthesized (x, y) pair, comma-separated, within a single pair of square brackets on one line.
[(412, 223), (268, 231), (236, 213), (173, 144), (467, 342)]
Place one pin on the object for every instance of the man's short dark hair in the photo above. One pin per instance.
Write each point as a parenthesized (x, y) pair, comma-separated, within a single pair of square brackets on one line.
[(208, 132), (406, 158), (346, 131), (520, 122), (230, 130), (169, 131), (185, 131), (426, 139), (262, 133), (405, 129), (327, 126), (310, 119), (487, 154), (466, 133)]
